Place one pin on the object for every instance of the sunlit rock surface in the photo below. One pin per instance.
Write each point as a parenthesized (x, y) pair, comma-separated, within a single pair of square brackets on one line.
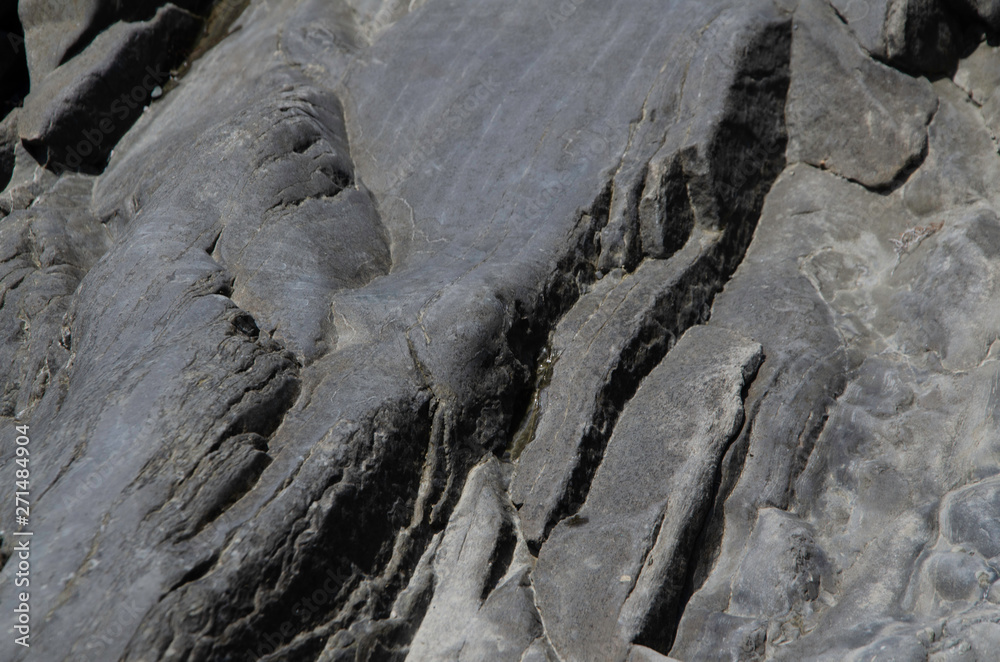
[(359, 330)]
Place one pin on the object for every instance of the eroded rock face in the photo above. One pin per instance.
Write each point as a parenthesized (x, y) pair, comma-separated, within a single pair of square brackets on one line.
[(502, 331)]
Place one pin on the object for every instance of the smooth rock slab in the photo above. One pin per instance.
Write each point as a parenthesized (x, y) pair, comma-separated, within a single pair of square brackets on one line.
[(626, 547), (972, 516)]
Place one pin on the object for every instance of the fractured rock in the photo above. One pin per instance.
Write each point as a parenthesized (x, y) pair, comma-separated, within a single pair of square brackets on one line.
[(627, 545)]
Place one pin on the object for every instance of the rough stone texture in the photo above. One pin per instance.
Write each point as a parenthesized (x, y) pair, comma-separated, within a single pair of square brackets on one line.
[(56, 32), (485, 330), (8, 144), (918, 35), (627, 545), (482, 607), (847, 113), (78, 111)]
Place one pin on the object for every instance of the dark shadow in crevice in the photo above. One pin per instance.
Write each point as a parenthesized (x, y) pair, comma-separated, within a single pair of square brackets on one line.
[(14, 82)]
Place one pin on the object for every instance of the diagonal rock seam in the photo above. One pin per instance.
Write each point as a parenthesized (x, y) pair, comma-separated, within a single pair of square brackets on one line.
[(688, 301)]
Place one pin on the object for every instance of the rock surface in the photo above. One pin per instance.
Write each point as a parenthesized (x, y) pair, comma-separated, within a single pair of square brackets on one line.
[(490, 330)]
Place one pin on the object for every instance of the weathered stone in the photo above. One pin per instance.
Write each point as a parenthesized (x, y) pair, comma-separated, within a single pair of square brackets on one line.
[(56, 32), (643, 654), (483, 606), (362, 344), (979, 75), (75, 115), (949, 180), (627, 546), (603, 347), (920, 35), (848, 113), (968, 517), (783, 567)]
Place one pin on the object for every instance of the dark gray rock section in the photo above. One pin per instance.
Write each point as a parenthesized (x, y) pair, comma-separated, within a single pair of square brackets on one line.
[(331, 453), (56, 32), (917, 35), (75, 114)]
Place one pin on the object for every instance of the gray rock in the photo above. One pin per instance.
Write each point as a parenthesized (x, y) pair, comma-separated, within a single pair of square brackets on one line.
[(482, 595), (643, 654), (434, 330), (608, 342), (967, 517), (920, 35), (953, 180), (628, 544), (28, 180), (8, 143), (416, 373), (56, 32), (76, 113), (878, 129), (977, 75), (783, 567)]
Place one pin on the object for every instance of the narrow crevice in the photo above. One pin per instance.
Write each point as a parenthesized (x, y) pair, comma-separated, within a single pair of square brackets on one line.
[(666, 218), (530, 333), (935, 36), (811, 433), (196, 573), (488, 425), (236, 485), (216, 28), (500, 559), (686, 305), (266, 406), (253, 416), (744, 158), (529, 423), (839, 15), (645, 352)]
